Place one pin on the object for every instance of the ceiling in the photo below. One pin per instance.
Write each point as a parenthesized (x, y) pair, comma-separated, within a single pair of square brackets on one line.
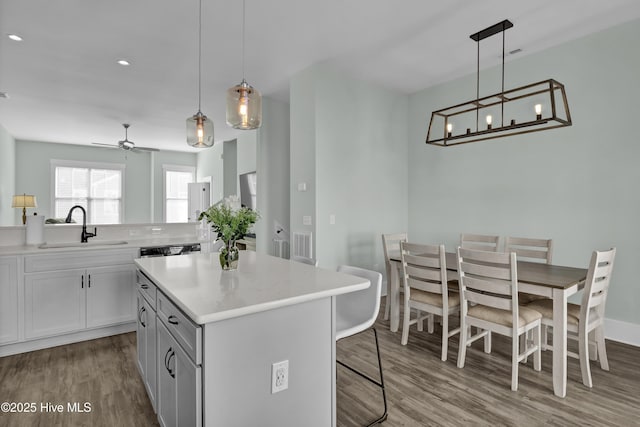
[(64, 84)]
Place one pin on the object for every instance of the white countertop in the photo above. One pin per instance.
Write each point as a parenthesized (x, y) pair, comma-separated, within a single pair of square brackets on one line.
[(96, 245), (197, 284)]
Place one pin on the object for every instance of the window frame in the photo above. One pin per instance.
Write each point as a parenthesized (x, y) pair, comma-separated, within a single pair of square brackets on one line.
[(174, 168), (81, 164)]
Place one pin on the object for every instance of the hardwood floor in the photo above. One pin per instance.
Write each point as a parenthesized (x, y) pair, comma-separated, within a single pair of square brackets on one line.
[(421, 390)]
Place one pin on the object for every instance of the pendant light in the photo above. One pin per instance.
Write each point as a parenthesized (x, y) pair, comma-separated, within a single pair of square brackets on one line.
[(531, 108), (199, 127), (244, 103)]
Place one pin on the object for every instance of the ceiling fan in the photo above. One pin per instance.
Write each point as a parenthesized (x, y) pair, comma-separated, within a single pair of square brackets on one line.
[(126, 144)]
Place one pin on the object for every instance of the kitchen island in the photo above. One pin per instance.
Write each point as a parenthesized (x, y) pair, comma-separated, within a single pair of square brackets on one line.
[(211, 338)]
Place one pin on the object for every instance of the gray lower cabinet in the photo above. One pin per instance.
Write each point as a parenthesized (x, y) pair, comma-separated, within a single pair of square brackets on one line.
[(146, 337), (179, 396)]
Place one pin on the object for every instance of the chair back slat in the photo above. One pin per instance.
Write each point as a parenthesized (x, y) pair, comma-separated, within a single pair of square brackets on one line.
[(391, 244), (487, 271), (530, 249), (597, 283), (430, 274), (422, 260), (435, 288), (488, 300), (480, 242), (495, 286), (424, 267)]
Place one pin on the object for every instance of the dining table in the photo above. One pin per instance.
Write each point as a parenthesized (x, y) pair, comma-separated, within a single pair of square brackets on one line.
[(548, 280)]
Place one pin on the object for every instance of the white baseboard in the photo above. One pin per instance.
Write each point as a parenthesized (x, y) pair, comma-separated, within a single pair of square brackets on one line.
[(39, 344), (624, 332)]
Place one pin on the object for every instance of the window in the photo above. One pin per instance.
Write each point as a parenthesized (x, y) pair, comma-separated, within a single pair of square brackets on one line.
[(97, 187), (176, 192)]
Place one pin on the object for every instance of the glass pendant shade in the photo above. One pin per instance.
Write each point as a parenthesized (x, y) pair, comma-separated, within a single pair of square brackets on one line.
[(199, 131), (244, 107)]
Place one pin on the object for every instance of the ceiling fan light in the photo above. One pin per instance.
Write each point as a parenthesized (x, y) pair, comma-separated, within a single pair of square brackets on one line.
[(244, 107), (199, 131)]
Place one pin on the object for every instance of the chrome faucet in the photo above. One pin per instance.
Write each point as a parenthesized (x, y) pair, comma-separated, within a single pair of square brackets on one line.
[(84, 236)]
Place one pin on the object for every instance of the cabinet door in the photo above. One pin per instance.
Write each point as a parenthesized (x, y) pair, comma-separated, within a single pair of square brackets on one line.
[(167, 387), (149, 317), (110, 295), (8, 299), (54, 303), (189, 406)]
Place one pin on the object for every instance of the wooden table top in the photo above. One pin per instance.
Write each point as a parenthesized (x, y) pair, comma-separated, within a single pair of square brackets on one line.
[(553, 276)]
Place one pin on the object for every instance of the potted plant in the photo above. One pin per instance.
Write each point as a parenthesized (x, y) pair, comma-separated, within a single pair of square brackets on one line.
[(230, 221)]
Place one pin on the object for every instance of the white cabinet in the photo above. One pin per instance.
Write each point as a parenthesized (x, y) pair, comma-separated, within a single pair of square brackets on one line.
[(146, 338), (110, 295), (71, 292), (54, 303), (8, 299), (179, 384)]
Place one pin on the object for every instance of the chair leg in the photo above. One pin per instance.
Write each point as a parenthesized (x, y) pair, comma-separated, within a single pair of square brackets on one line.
[(387, 305), (430, 323), (462, 348), (602, 351), (445, 336), (380, 384), (537, 341), (405, 323), (545, 337), (487, 342), (515, 345), (583, 353), (420, 324)]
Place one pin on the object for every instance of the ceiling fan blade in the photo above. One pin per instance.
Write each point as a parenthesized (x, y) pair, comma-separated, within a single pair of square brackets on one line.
[(105, 145), (145, 148)]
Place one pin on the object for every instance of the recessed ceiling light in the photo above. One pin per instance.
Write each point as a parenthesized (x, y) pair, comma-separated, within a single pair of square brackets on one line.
[(514, 51), (4, 95), (15, 37), (123, 62)]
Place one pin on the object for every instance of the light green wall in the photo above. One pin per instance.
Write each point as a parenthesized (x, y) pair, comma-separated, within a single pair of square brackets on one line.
[(355, 134), (302, 96), (577, 185), (210, 163), (158, 159), (7, 177), (272, 173), (230, 168), (33, 174)]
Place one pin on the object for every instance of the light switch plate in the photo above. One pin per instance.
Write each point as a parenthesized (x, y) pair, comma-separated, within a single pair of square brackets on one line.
[(306, 220), (302, 186)]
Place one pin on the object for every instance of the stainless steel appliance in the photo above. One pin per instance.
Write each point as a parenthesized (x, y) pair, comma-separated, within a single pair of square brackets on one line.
[(169, 250)]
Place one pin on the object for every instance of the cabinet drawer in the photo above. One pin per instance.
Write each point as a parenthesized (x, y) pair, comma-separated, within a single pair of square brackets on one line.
[(71, 260), (146, 288), (185, 332)]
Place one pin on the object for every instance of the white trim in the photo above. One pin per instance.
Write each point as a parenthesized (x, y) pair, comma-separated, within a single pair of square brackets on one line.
[(54, 163), (39, 344), (173, 168), (624, 332)]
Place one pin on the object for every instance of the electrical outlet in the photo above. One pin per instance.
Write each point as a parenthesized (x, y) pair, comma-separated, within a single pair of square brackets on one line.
[(279, 376)]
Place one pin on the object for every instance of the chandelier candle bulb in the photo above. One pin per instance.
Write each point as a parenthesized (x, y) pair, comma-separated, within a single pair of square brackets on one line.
[(489, 120), (449, 129), (538, 108)]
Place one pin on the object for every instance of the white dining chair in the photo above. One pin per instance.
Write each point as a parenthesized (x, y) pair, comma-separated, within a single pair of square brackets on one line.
[(480, 242), (424, 272), (489, 280), (357, 312), (305, 260), (587, 316), (532, 250), (391, 248)]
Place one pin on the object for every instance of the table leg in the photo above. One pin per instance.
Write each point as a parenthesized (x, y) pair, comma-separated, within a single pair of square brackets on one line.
[(395, 298), (559, 342)]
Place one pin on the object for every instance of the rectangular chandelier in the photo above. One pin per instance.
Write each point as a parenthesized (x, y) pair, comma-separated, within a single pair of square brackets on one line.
[(530, 108)]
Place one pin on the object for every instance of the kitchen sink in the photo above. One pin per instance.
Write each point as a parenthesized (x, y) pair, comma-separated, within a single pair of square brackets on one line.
[(82, 245)]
